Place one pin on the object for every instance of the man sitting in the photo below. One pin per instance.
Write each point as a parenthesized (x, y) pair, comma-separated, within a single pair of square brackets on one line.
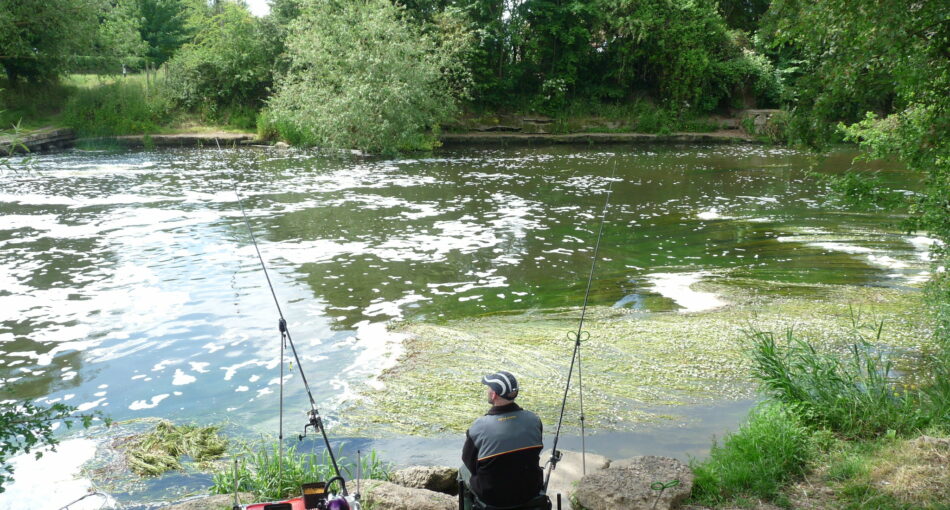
[(502, 449)]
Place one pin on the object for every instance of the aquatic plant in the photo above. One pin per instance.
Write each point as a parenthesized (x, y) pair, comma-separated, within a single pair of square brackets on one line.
[(161, 449), (637, 368), (271, 474)]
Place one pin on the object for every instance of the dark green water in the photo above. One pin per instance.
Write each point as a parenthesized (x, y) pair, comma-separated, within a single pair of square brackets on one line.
[(128, 283)]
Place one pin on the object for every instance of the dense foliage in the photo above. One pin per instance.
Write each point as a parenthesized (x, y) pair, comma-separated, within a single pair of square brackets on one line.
[(361, 76), (542, 53), (229, 62), (38, 38), (163, 26)]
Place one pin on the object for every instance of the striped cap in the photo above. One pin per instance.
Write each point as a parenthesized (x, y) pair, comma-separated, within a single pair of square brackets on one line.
[(502, 383)]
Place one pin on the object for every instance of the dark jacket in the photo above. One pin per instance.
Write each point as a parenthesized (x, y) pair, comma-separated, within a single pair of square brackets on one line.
[(502, 450)]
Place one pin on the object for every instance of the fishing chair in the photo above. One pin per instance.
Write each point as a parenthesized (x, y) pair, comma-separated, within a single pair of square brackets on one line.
[(539, 502)]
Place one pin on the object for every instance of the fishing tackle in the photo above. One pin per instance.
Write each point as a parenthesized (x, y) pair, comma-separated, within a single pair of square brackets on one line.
[(577, 337), (315, 421)]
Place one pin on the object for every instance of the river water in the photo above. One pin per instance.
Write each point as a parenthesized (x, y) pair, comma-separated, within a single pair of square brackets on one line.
[(129, 284)]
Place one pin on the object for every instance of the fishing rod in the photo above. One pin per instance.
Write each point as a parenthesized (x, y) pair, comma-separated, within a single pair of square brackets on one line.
[(315, 421), (578, 337)]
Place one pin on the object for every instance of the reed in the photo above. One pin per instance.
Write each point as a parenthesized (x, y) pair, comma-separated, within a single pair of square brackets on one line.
[(855, 393)]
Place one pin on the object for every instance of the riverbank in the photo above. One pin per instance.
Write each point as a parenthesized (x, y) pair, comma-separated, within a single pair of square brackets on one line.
[(889, 473), (49, 139), (124, 111)]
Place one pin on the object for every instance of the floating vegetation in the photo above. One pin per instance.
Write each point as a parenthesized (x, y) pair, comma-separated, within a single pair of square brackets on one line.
[(161, 450), (637, 368)]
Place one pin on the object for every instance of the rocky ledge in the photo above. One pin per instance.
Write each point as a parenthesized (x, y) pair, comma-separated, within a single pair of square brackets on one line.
[(630, 484)]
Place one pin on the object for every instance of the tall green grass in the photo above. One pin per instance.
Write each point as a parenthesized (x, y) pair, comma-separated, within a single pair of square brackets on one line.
[(119, 108), (259, 470), (771, 448), (31, 106), (855, 394)]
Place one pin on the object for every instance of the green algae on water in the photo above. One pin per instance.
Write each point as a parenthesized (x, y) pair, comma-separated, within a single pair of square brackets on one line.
[(637, 368)]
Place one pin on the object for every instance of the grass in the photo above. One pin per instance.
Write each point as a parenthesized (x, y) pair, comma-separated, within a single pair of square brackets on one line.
[(98, 106), (887, 473), (117, 108), (263, 471), (846, 421), (855, 394), (161, 450), (32, 106), (770, 449), (637, 116)]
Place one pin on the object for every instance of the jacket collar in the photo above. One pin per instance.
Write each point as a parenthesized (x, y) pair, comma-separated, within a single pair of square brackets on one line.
[(507, 408)]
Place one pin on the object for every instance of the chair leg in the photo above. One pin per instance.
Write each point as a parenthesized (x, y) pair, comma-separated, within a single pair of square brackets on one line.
[(461, 495)]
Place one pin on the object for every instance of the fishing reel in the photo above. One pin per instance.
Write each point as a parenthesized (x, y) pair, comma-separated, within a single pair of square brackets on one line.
[(316, 423), (316, 496)]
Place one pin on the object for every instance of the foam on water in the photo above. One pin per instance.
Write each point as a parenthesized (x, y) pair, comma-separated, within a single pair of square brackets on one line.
[(678, 287), (58, 473)]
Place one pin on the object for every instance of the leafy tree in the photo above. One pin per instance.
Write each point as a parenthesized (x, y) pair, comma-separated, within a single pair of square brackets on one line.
[(163, 27), (229, 63), (884, 68), (743, 14), (42, 40), (558, 44), (683, 53), (39, 38), (25, 427), (361, 76)]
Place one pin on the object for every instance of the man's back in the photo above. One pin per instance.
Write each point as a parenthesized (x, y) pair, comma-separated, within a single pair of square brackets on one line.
[(502, 451)]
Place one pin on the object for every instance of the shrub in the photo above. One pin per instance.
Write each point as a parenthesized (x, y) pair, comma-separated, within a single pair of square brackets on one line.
[(362, 77), (229, 63), (771, 448)]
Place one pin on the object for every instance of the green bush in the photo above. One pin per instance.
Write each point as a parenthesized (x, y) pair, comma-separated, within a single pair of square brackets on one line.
[(263, 471), (229, 63), (771, 448), (118, 108), (362, 77)]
